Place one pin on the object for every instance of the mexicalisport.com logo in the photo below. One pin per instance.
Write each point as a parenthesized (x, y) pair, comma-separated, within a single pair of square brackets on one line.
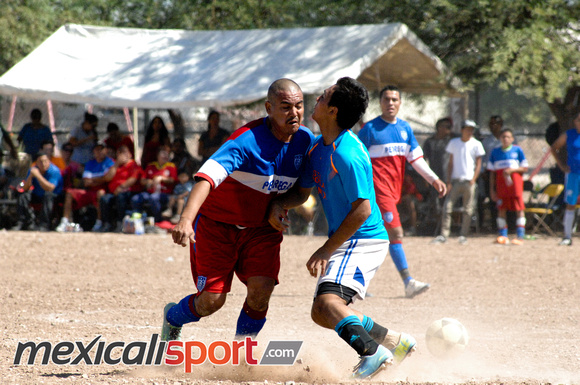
[(156, 352)]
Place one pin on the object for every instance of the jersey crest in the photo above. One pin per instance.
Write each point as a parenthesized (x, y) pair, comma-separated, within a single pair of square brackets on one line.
[(201, 280), (298, 160)]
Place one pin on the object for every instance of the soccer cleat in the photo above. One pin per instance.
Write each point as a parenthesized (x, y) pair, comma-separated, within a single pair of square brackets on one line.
[(517, 241), (406, 346), (462, 240), (415, 287), (438, 239), (97, 227), (370, 365), (565, 242), (503, 240), (168, 331)]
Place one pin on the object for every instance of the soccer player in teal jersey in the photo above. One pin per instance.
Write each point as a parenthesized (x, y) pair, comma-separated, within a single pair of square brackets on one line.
[(340, 167)]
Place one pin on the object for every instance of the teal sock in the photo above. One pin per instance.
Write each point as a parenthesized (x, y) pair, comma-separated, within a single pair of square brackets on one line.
[(352, 331)]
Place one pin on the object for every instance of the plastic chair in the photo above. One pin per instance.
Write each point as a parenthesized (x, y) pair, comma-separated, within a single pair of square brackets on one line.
[(542, 210)]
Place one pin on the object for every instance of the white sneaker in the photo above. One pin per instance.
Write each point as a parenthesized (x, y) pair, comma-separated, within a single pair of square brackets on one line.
[(61, 228), (565, 242), (462, 240), (415, 287), (438, 239)]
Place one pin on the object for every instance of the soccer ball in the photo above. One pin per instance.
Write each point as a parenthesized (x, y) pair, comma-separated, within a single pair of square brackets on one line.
[(446, 338)]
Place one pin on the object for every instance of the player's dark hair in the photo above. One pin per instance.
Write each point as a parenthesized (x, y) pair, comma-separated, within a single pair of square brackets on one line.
[(46, 141), (497, 118), (351, 98), (35, 114), (506, 130), (442, 121), (38, 155), (389, 87), (112, 127)]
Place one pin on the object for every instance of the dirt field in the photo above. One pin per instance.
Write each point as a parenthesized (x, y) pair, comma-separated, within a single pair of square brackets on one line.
[(521, 306)]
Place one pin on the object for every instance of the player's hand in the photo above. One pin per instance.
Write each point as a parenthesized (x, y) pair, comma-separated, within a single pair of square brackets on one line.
[(182, 232), (278, 217), (318, 261), (440, 187)]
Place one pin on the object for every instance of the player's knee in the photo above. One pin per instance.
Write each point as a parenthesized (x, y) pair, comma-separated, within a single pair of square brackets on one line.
[(209, 303)]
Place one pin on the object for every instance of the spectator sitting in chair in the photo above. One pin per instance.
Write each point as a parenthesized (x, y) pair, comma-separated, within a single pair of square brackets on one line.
[(47, 147), (159, 180), (42, 185), (95, 184), (72, 174), (123, 185)]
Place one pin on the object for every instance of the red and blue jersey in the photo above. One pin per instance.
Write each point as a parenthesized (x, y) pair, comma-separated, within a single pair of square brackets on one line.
[(499, 160), (248, 170), (390, 146)]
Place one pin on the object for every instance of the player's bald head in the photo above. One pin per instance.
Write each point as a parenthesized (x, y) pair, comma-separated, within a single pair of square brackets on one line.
[(280, 86)]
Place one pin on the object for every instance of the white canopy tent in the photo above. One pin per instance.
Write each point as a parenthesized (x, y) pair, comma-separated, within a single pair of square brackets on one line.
[(122, 67)]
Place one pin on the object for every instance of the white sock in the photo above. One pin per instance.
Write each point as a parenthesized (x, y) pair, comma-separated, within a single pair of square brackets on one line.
[(64, 220), (568, 221)]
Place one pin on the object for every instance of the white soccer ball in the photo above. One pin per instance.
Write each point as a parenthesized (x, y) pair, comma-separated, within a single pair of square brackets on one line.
[(446, 338)]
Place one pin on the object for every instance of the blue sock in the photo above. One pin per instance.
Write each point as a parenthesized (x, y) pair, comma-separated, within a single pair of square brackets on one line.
[(250, 321), (503, 232), (520, 232), (351, 330), (400, 260), (181, 313)]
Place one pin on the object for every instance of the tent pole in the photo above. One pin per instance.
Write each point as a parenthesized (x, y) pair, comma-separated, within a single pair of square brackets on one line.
[(136, 128), (52, 126), (12, 111)]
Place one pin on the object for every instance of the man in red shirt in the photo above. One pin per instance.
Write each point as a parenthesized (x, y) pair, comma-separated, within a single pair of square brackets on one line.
[(159, 180), (122, 187)]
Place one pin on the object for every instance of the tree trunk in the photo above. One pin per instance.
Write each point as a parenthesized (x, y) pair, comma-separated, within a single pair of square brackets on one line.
[(178, 123), (564, 111)]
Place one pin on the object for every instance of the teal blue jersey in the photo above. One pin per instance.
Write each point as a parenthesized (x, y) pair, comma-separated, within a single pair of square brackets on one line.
[(342, 173)]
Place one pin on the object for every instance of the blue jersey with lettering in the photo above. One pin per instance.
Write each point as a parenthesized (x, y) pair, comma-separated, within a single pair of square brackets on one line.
[(342, 173), (573, 147), (248, 170)]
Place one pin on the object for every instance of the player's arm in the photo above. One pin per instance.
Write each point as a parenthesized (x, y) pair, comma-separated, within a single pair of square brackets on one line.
[(477, 170), (358, 214), (183, 231), (449, 171), (423, 169), (555, 149), (278, 210), (492, 192), (42, 181)]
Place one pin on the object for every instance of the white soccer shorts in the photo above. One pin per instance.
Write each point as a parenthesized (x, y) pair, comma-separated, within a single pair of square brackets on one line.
[(355, 263)]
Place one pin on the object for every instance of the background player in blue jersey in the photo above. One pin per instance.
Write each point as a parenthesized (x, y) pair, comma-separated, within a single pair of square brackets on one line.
[(340, 167), (570, 139), (225, 218)]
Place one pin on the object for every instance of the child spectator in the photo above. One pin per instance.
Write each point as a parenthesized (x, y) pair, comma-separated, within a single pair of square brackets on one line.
[(95, 179), (160, 177), (34, 133), (179, 197), (182, 159), (72, 174), (42, 185), (47, 147), (123, 185), (506, 164)]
